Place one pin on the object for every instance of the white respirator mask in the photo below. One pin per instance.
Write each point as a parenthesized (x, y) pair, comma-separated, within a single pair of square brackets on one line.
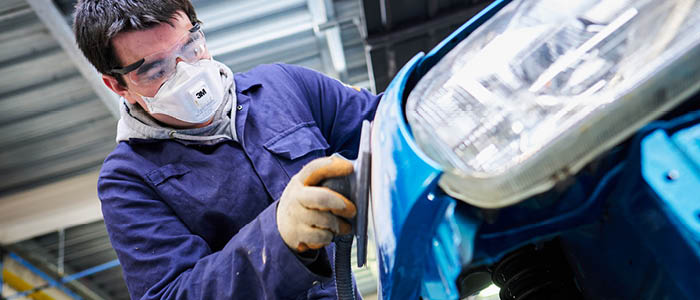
[(192, 94)]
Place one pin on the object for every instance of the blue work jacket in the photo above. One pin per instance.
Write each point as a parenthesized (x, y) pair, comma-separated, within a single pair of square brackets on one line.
[(196, 221)]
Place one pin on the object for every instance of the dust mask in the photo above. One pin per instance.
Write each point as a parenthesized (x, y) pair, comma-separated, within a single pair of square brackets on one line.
[(192, 94)]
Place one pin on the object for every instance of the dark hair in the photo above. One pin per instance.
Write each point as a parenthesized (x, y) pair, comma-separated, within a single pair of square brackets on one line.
[(96, 22)]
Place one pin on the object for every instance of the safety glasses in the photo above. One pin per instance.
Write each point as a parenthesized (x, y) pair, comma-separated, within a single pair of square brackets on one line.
[(158, 67)]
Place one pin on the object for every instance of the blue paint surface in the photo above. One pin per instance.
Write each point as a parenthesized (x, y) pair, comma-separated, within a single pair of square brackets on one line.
[(415, 225), (403, 214)]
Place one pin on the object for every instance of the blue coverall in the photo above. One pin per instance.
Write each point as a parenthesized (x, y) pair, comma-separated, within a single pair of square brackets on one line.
[(195, 221)]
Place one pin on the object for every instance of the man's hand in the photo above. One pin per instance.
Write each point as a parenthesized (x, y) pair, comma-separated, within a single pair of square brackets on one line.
[(308, 215)]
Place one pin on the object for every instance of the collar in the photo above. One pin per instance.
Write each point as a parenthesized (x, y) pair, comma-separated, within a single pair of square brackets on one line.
[(245, 82)]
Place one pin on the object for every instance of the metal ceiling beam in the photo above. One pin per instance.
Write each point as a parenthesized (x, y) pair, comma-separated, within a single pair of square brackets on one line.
[(329, 38), (59, 284), (49, 14), (35, 281), (37, 257)]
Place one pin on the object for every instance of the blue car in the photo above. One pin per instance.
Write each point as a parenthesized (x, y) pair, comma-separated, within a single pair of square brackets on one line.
[(549, 147)]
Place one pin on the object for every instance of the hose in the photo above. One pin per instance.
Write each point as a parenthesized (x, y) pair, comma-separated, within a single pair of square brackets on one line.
[(343, 273), (343, 244)]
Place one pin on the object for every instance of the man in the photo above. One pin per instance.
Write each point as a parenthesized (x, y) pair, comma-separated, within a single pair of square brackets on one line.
[(200, 196)]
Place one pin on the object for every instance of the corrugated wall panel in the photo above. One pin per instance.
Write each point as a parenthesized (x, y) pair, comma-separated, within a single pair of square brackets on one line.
[(32, 38), (52, 124), (244, 34), (62, 121), (288, 49), (219, 15), (33, 71), (28, 103), (57, 156)]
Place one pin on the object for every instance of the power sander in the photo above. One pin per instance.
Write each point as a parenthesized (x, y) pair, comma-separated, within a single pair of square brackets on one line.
[(355, 187)]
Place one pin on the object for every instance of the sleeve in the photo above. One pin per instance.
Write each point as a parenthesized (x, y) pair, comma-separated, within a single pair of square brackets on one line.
[(162, 259), (337, 109)]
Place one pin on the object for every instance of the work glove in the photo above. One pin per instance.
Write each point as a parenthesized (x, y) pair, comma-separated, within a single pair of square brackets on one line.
[(308, 216)]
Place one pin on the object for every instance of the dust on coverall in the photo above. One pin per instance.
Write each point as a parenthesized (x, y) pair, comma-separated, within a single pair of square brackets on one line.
[(197, 221)]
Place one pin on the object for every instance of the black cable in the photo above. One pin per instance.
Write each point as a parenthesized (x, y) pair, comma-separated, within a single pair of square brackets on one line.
[(343, 272), (343, 244)]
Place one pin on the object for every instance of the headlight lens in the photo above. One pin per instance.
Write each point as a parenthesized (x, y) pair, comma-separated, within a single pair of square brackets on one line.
[(544, 86)]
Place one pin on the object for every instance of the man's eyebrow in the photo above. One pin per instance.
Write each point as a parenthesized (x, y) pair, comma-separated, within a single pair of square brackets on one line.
[(190, 39), (147, 66)]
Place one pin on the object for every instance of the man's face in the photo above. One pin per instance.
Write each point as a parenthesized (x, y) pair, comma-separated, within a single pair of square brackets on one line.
[(130, 47)]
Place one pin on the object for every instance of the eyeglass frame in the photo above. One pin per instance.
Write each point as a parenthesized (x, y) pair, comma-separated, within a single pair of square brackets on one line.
[(196, 26)]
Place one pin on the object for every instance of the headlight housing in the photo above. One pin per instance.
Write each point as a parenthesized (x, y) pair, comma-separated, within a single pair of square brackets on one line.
[(545, 86)]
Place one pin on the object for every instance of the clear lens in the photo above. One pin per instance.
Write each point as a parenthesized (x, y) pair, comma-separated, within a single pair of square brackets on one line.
[(541, 76), (158, 67)]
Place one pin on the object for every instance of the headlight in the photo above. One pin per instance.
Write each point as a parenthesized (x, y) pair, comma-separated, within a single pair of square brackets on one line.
[(544, 86)]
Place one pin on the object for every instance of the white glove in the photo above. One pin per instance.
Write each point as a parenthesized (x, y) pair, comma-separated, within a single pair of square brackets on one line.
[(307, 215)]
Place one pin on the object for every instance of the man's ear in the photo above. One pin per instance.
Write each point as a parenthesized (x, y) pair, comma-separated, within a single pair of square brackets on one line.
[(113, 84)]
